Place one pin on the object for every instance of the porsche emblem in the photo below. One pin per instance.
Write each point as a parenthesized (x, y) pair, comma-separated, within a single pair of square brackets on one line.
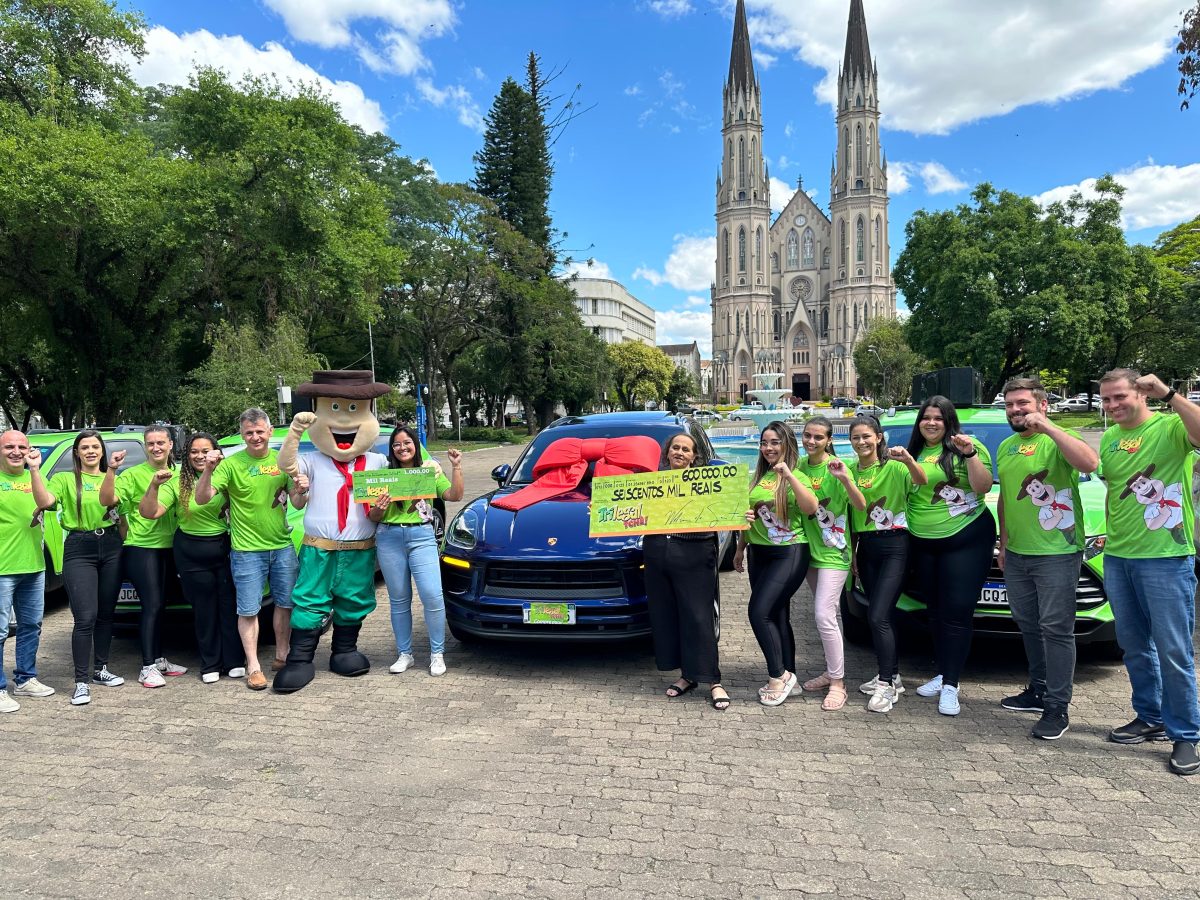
[(551, 541)]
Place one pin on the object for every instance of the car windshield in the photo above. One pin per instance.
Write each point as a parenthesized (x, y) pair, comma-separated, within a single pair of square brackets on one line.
[(990, 434), (523, 471)]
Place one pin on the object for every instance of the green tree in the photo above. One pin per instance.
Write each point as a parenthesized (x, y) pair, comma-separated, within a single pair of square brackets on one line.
[(884, 361), (240, 373), (1188, 49), (1170, 338), (681, 387), (639, 373)]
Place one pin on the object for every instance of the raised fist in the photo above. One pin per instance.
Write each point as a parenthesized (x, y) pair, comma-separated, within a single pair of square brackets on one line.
[(963, 443), (117, 459), (836, 467), (1152, 386), (455, 457), (211, 458), (161, 477), (33, 459), (781, 468), (900, 453), (1035, 421), (302, 421)]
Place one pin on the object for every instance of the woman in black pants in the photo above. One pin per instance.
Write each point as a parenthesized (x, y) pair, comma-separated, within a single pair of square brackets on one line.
[(201, 550), (91, 559), (779, 499), (681, 590), (886, 478), (952, 538)]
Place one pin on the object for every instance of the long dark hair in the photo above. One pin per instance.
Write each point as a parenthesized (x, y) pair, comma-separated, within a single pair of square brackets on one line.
[(187, 473), (699, 450), (418, 459), (873, 423), (950, 454), (78, 467), (823, 422)]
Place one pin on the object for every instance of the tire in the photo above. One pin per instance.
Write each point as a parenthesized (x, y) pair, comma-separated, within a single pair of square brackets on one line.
[(856, 630), (459, 635), (726, 563), (439, 520)]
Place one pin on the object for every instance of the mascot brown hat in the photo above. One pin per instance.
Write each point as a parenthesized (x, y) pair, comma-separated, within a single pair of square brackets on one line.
[(352, 384)]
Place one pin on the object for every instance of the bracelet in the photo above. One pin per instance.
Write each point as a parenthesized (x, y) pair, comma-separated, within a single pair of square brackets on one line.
[(1168, 396), (974, 453)]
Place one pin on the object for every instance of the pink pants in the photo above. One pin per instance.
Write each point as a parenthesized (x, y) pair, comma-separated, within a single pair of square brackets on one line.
[(826, 585)]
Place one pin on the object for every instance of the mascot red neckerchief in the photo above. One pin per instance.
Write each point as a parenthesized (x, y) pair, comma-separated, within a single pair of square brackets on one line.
[(337, 556)]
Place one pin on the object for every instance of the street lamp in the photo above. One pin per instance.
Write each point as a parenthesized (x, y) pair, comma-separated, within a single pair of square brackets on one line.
[(882, 371)]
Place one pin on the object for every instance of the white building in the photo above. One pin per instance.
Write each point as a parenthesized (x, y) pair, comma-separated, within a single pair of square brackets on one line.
[(614, 315), (684, 356)]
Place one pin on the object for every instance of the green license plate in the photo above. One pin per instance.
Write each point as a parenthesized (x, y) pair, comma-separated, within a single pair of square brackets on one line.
[(549, 613)]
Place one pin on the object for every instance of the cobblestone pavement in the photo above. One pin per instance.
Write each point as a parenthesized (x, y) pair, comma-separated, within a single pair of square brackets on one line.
[(564, 772)]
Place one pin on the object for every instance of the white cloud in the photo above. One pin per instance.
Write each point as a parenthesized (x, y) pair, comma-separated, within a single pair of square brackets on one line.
[(1155, 196), (783, 164), (943, 63), (681, 326), (936, 178), (697, 301), (670, 9), (455, 96), (788, 130), (633, 90), (587, 268), (690, 266), (171, 58), (781, 193), (899, 176)]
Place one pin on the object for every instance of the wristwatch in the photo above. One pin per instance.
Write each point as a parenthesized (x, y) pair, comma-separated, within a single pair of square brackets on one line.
[(1168, 396)]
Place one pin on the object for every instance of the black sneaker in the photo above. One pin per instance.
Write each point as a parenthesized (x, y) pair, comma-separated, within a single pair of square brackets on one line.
[(1052, 725), (1184, 760), (1029, 700), (1136, 732)]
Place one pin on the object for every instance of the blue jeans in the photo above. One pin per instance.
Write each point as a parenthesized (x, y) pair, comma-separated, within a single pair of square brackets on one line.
[(252, 569), (22, 597), (407, 554), (1154, 603)]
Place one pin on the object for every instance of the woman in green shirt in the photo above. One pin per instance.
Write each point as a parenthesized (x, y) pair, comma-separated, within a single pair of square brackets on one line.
[(952, 539), (91, 559), (779, 500)]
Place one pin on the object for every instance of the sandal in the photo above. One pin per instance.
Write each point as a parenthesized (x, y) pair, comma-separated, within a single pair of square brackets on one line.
[(775, 696), (721, 703), (815, 684), (835, 698), (678, 690)]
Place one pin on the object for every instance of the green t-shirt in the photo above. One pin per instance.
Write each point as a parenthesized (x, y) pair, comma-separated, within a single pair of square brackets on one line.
[(768, 528), (153, 534), (1040, 489), (886, 487), (91, 514), (826, 529), (198, 520), (1148, 471), (939, 509), (20, 533), (257, 513), (415, 511)]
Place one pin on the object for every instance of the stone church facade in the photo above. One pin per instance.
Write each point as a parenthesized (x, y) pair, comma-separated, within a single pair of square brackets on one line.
[(793, 295)]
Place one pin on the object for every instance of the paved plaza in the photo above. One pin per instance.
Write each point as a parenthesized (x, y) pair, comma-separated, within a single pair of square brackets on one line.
[(564, 772)]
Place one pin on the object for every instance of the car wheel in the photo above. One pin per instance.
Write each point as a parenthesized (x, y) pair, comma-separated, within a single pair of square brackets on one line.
[(463, 637), (439, 519)]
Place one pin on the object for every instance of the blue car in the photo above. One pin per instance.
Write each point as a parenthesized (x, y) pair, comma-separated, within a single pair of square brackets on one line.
[(536, 574)]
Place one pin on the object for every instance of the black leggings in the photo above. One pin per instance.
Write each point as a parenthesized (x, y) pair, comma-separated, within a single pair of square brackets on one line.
[(203, 565), (776, 573), (681, 592), (146, 569), (882, 558), (92, 576), (949, 573)]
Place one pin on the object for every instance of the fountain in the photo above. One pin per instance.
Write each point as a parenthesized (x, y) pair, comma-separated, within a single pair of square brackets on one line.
[(772, 399)]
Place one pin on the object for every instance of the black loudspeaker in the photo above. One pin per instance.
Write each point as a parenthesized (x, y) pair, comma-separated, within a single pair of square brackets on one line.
[(301, 403), (962, 385)]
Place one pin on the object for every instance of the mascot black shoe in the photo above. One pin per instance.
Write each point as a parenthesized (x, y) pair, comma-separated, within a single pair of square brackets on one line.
[(299, 670), (345, 658)]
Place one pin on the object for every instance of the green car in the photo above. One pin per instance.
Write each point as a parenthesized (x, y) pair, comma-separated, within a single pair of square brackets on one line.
[(1093, 616)]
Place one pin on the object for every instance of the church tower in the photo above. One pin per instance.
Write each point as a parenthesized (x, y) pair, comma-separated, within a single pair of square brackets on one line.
[(861, 288), (743, 339)]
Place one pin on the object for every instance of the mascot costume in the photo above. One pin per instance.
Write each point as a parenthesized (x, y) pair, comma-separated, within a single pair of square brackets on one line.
[(337, 557)]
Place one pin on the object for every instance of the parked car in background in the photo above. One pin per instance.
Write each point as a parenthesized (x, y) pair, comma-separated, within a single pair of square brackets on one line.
[(1073, 404), (1194, 396), (842, 403), (867, 409), (742, 413), (706, 416)]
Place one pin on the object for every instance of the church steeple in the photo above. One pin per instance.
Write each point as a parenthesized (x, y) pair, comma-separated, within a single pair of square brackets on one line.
[(741, 62), (858, 48)]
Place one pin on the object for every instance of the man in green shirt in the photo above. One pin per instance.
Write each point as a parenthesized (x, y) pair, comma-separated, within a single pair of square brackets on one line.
[(1146, 462), (22, 568), (1041, 547)]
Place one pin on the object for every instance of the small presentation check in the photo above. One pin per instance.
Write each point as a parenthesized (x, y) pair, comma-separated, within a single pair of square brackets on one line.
[(701, 498), (399, 484)]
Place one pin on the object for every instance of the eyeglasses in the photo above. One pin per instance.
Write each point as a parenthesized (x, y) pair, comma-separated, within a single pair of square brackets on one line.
[(770, 443)]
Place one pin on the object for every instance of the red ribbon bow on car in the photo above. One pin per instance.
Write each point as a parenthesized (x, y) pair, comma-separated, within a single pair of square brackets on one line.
[(565, 461)]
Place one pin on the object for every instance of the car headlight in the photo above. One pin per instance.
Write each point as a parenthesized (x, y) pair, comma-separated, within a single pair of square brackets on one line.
[(1094, 546), (461, 533)]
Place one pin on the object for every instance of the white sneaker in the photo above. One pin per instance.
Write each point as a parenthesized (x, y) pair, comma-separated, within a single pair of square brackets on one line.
[(169, 668), (948, 701), (437, 665), (210, 677), (401, 664), (107, 678), (237, 672), (32, 688), (150, 677), (82, 695), (883, 698), (931, 688), (7, 703), (868, 687)]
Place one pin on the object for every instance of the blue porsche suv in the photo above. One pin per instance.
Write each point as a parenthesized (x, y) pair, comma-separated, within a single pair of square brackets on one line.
[(536, 574)]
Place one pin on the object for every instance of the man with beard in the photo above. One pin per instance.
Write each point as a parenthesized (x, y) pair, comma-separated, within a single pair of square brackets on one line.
[(1041, 549)]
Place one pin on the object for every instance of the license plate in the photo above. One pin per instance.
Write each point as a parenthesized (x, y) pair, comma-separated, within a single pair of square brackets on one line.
[(993, 594), (549, 613), (128, 594)]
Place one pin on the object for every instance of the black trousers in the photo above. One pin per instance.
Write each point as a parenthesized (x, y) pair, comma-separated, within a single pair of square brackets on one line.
[(949, 573), (146, 569), (92, 576), (776, 573), (681, 591), (882, 558), (202, 562)]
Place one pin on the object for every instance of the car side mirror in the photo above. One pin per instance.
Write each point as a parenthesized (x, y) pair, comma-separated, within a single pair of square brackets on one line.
[(500, 473)]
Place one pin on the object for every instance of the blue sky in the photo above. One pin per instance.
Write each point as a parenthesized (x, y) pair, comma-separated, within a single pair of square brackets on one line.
[(1036, 97)]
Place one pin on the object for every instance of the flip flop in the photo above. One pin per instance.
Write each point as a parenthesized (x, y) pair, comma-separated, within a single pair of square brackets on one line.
[(674, 690), (776, 697), (721, 703)]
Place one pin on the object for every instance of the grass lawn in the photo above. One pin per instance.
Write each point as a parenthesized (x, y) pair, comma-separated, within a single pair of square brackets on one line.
[(1077, 420)]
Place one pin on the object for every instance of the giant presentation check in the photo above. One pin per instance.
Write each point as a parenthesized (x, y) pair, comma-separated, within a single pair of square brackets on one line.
[(400, 484), (701, 498)]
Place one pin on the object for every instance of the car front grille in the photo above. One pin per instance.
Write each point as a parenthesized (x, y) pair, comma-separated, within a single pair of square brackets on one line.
[(554, 581), (1089, 591)]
